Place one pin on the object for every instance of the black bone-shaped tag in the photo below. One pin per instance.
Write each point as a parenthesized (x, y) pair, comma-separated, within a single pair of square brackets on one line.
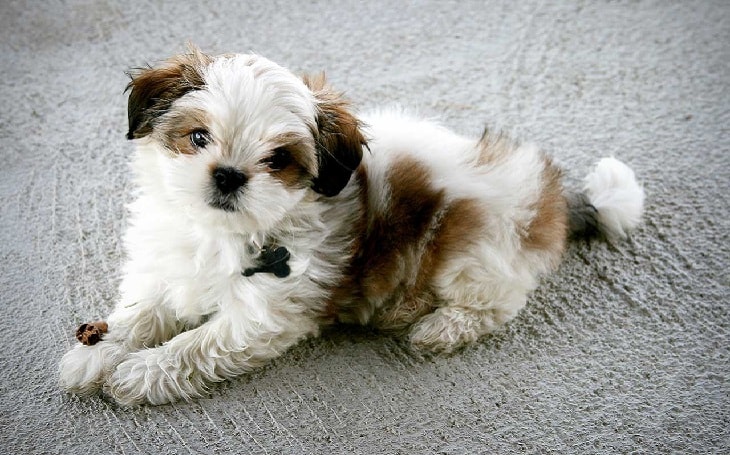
[(271, 261)]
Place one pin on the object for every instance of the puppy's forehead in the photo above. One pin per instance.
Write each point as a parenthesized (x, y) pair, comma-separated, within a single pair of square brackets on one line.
[(248, 89)]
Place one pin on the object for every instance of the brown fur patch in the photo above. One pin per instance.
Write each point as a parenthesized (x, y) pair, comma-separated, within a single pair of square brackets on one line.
[(174, 129), (463, 222), (153, 90), (293, 174), (549, 229), (389, 282), (453, 232), (392, 265), (299, 160), (339, 140), (399, 236)]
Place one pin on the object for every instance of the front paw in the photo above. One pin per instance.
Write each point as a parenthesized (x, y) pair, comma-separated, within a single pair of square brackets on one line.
[(84, 369), (149, 376)]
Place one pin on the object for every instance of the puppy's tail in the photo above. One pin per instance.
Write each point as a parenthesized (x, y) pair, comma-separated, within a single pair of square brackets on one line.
[(611, 203)]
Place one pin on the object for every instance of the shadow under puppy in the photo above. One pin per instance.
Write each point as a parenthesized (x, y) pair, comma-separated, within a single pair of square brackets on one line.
[(265, 210)]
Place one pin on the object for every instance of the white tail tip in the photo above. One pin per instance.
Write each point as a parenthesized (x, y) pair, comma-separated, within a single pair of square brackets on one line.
[(612, 189)]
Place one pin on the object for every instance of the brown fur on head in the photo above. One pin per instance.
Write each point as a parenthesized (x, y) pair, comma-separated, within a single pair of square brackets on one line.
[(339, 138), (153, 90)]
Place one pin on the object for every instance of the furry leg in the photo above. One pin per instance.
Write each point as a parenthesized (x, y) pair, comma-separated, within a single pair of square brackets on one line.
[(453, 326), (182, 367), (84, 369)]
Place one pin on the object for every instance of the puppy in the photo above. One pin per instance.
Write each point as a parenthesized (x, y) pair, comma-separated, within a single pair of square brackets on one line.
[(265, 210)]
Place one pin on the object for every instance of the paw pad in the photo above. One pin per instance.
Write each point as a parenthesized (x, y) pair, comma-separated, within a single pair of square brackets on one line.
[(90, 333)]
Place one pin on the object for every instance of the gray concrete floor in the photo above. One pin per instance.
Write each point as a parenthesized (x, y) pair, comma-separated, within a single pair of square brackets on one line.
[(624, 349)]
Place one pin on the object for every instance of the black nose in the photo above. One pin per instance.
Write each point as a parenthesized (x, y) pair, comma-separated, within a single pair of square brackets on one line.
[(228, 180)]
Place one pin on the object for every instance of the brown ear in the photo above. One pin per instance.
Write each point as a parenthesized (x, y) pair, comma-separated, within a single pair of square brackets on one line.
[(338, 138), (153, 90)]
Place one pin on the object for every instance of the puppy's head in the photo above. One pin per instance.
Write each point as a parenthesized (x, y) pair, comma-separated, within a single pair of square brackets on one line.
[(238, 140)]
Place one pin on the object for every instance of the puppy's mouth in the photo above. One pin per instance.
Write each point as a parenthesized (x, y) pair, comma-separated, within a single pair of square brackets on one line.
[(227, 203)]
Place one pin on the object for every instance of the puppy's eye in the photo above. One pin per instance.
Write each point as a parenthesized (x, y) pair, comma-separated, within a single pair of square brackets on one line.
[(199, 138), (279, 159)]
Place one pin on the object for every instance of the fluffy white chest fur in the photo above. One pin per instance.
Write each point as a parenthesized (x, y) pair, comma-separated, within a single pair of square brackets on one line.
[(266, 209)]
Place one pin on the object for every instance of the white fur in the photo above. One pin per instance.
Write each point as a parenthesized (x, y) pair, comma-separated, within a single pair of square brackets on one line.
[(186, 316), (613, 190), (185, 258)]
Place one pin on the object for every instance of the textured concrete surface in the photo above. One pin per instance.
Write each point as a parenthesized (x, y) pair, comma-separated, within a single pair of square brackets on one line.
[(625, 349)]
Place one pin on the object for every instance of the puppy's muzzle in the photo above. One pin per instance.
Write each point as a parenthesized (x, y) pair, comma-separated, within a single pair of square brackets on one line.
[(228, 180)]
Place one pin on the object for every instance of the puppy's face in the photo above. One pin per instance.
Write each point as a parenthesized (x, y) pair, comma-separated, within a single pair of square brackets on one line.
[(238, 141)]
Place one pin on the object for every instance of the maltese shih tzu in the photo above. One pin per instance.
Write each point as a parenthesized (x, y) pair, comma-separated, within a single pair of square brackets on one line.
[(265, 209)]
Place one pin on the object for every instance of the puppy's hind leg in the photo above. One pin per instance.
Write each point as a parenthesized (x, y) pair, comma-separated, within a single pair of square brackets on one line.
[(462, 322), (478, 294)]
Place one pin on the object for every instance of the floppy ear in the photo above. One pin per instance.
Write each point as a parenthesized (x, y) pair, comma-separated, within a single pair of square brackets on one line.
[(338, 138), (153, 90)]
